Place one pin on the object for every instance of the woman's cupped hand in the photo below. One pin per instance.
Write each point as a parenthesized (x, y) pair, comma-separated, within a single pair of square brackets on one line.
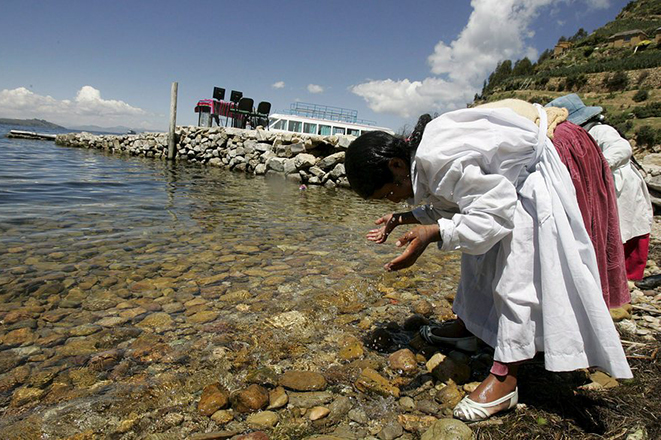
[(416, 241)]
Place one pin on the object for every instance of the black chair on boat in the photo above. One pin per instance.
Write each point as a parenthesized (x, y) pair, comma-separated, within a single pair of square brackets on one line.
[(218, 96), (235, 97), (261, 115), (218, 93), (243, 112)]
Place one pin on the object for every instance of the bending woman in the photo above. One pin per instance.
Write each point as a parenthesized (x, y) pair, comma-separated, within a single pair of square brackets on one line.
[(496, 189)]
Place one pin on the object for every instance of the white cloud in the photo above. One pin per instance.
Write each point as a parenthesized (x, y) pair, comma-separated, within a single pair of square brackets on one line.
[(496, 30), (314, 88), (88, 107), (278, 85)]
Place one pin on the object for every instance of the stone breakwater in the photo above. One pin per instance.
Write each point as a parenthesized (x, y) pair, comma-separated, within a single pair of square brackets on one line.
[(317, 160)]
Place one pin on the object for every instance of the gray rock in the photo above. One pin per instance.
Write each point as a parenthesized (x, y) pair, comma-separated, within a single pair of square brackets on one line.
[(448, 429)]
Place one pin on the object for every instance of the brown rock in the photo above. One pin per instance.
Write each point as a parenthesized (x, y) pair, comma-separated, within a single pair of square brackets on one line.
[(214, 397), (250, 399), (18, 337), (351, 351), (413, 423), (449, 396), (257, 435), (277, 398), (303, 381), (370, 381), (403, 361)]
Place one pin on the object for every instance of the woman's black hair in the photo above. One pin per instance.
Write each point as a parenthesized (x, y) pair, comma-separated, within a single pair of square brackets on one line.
[(366, 160)]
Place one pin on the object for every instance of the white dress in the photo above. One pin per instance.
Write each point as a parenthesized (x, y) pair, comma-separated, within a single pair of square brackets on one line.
[(495, 185), (634, 205)]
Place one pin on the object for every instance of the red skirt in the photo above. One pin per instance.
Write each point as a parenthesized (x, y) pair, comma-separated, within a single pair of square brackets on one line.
[(595, 192), (635, 256)]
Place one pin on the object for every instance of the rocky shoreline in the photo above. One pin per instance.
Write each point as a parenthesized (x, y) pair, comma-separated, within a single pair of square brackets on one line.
[(307, 159)]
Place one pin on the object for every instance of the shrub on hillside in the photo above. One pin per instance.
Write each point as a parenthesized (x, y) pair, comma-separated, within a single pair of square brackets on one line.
[(616, 81), (651, 110), (646, 136), (588, 51), (575, 82), (642, 77), (641, 95)]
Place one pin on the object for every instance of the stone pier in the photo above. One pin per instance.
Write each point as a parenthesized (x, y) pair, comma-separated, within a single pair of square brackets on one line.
[(310, 159)]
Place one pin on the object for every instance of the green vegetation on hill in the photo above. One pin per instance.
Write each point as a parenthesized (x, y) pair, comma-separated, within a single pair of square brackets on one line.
[(626, 80)]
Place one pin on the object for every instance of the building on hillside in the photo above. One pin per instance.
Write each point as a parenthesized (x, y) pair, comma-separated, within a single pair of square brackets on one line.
[(561, 47), (627, 38)]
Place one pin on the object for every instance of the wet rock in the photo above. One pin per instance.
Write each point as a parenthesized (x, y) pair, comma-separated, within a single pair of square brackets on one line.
[(427, 406), (203, 317), (277, 398), (310, 399), (105, 360), (25, 395), (448, 429), (250, 399), (18, 337), (406, 403), (263, 376), (372, 382), (318, 412), (223, 416), (351, 351), (214, 397), (262, 420), (157, 321), (448, 397), (358, 415), (258, 435), (339, 408), (403, 361), (415, 423), (391, 431), (303, 380)]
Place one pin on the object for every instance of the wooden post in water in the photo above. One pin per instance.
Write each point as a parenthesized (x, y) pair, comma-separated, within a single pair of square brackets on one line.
[(173, 120)]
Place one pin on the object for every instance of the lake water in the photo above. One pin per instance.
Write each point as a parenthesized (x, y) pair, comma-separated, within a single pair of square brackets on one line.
[(128, 284)]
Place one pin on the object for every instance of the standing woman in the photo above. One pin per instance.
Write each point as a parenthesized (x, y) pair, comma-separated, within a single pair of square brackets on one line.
[(633, 199), (495, 188)]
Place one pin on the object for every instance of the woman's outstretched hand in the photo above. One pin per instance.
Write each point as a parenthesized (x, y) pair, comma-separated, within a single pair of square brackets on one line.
[(417, 239), (380, 235)]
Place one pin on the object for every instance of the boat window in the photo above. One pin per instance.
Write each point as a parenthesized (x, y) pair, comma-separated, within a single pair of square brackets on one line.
[(280, 124), (295, 126), (309, 128), (325, 130), (338, 130), (353, 131)]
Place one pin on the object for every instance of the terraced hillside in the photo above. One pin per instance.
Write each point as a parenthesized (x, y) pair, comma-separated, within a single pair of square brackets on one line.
[(618, 67)]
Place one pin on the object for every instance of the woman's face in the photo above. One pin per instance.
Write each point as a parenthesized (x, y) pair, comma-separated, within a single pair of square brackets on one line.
[(401, 188)]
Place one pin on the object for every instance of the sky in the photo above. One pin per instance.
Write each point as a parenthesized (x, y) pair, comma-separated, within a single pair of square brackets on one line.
[(112, 63)]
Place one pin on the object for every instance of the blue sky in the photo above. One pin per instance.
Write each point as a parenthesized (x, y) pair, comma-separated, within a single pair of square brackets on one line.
[(112, 63)]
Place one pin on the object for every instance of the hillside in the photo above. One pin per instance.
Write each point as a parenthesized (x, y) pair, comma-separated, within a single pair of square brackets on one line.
[(621, 73), (29, 123)]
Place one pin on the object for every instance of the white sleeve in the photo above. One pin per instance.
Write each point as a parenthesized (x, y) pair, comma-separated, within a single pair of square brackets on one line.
[(616, 149), (486, 205)]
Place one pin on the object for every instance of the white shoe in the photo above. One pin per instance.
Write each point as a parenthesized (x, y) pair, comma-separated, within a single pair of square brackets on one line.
[(470, 411)]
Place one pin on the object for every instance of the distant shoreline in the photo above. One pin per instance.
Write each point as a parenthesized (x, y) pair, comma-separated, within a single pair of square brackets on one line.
[(30, 123)]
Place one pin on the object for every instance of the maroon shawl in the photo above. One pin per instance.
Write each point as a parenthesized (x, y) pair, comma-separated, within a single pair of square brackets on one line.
[(595, 192)]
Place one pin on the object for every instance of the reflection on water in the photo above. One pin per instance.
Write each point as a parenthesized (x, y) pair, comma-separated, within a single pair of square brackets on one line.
[(123, 275)]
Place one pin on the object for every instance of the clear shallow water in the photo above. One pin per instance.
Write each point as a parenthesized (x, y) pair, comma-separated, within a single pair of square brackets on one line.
[(104, 253)]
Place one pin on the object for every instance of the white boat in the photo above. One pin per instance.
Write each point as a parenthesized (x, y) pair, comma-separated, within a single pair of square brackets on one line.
[(321, 120)]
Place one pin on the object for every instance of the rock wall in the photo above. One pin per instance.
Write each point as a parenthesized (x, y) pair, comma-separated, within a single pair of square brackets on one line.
[(317, 160)]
